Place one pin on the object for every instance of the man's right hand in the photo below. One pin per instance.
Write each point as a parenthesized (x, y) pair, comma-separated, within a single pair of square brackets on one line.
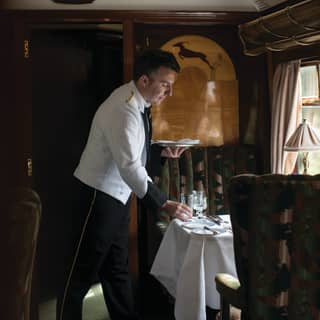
[(173, 152), (178, 210)]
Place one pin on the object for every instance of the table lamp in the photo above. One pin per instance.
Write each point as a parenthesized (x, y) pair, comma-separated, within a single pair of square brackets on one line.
[(304, 139)]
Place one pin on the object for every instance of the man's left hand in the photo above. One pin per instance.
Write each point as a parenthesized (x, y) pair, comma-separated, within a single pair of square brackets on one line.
[(177, 210)]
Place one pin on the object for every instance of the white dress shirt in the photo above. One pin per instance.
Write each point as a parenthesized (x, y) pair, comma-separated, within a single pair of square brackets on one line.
[(114, 158)]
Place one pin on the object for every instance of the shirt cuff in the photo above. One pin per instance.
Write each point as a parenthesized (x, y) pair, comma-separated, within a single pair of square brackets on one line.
[(154, 198)]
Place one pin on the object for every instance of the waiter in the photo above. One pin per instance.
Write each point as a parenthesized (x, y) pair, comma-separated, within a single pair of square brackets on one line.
[(112, 166)]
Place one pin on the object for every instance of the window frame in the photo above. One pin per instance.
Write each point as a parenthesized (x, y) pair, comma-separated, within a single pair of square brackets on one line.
[(314, 100), (309, 103)]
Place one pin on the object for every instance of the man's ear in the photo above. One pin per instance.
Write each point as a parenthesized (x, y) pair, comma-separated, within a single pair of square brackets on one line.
[(143, 80)]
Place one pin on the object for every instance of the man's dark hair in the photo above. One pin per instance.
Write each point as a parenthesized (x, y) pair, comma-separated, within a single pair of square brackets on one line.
[(151, 60)]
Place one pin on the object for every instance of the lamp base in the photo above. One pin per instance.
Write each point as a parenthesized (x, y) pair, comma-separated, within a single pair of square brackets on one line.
[(305, 162)]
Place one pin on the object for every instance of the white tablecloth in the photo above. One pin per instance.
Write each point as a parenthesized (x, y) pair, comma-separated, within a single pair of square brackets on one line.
[(186, 264)]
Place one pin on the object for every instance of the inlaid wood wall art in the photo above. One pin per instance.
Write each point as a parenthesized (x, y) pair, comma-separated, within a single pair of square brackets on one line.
[(204, 104)]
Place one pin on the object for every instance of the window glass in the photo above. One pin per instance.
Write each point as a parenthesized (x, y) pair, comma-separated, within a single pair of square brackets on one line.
[(310, 111), (309, 81), (312, 115)]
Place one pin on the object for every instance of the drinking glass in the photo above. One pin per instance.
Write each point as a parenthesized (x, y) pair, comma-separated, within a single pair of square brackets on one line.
[(205, 203), (182, 198), (198, 204), (190, 200)]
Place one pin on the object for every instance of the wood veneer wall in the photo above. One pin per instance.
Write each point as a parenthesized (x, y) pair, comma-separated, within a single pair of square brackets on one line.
[(138, 26)]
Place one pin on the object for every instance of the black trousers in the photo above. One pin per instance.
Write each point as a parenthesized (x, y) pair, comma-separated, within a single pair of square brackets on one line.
[(101, 251)]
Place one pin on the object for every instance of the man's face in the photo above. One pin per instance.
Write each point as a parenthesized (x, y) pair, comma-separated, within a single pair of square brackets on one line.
[(159, 85)]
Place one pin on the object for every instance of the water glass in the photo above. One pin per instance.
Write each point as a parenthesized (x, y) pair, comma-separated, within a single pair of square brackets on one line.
[(190, 201), (182, 198), (198, 204)]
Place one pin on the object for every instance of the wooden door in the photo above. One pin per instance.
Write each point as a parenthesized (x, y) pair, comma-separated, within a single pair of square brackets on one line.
[(73, 71)]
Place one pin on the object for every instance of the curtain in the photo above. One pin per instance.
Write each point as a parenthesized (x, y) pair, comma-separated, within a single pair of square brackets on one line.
[(285, 114)]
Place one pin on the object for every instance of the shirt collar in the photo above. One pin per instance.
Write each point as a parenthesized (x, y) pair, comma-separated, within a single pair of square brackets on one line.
[(142, 104)]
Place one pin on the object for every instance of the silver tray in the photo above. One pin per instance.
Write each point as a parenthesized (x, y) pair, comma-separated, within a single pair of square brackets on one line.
[(169, 143)]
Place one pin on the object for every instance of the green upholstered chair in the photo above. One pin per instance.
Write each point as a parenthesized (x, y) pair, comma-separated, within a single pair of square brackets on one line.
[(19, 226), (276, 225)]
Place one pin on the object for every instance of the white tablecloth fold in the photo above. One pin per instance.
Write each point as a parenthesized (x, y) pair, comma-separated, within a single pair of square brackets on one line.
[(186, 264)]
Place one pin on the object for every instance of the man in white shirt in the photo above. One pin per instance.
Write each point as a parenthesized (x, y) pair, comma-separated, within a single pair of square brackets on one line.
[(112, 166)]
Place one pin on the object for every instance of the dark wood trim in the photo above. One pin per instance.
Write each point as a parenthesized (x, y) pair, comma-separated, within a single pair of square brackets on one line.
[(22, 100), (270, 74), (194, 18), (8, 153), (128, 58), (296, 53), (128, 50), (168, 17)]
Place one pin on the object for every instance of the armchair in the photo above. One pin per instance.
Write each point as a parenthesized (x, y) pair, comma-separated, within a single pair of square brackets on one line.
[(276, 224), (20, 219)]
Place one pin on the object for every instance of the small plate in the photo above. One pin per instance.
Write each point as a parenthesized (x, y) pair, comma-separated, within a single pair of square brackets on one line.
[(203, 221), (193, 225), (217, 228), (202, 232)]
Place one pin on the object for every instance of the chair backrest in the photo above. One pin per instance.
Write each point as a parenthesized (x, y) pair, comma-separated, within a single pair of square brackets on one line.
[(276, 222), (20, 219)]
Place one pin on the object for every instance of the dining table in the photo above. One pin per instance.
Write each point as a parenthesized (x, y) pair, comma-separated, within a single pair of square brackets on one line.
[(189, 256)]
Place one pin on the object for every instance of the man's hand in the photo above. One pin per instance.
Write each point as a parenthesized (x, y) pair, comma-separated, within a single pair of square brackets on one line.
[(177, 210), (173, 152)]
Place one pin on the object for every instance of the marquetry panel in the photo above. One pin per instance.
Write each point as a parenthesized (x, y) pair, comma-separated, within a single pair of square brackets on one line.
[(204, 104)]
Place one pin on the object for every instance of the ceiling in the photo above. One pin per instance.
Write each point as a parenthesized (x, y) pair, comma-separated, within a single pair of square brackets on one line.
[(177, 5)]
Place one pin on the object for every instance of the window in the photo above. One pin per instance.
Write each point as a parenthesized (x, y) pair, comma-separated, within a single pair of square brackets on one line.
[(310, 91)]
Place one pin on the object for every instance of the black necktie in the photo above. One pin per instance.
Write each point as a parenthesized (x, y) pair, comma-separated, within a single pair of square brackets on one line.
[(146, 116)]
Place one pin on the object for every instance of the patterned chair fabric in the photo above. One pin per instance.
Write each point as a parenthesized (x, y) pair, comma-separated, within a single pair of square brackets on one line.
[(276, 224), (204, 168), (20, 219)]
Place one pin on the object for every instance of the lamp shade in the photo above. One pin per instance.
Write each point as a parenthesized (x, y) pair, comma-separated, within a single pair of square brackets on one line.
[(305, 138)]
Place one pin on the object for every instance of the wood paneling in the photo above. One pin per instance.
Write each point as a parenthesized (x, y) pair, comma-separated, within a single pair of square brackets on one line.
[(8, 159), (204, 104), (193, 18), (70, 78), (141, 30)]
